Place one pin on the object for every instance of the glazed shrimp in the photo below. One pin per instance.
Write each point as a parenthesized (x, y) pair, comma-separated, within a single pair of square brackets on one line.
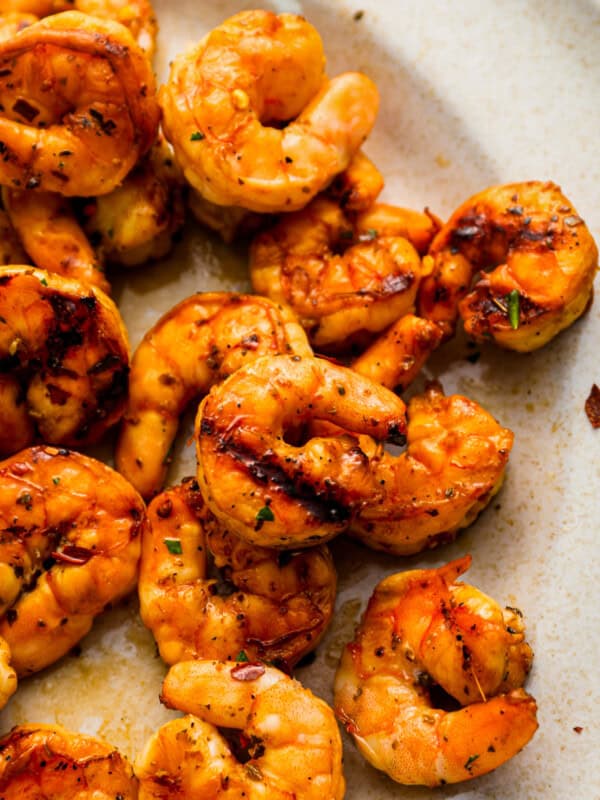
[(196, 344), (454, 464), (69, 545), (422, 631), (8, 677), (283, 742), (345, 278), (48, 762), (79, 106), (52, 237), (64, 359), (272, 606), (13, 22), (228, 98), (358, 186), (138, 220), (276, 494), (11, 249), (543, 257)]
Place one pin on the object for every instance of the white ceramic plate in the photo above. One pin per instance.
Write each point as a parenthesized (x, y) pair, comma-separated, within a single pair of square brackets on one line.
[(473, 94)]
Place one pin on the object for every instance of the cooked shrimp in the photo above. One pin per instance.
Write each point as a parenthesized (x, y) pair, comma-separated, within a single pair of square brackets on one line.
[(454, 464), (69, 544), (48, 762), (270, 605), (14, 21), (277, 494), (282, 741), (196, 344), (78, 105), (137, 15), (343, 279), (252, 118), (543, 261), (138, 220), (11, 249), (397, 356), (64, 359), (52, 237), (8, 677), (358, 186), (424, 634)]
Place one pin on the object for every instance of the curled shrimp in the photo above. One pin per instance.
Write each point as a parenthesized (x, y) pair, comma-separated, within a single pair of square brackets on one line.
[(542, 259), (48, 762), (424, 634), (69, 544), (345, 276), (8, 677), (79, 106), (270, 605), (252, 118), (281, 741), (137, 15), (137, 221), (454, 464), (52, 237), (276, 493), (196, 344), (64, 359)]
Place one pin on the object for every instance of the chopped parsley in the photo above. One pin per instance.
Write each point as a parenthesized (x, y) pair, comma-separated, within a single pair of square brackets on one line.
[(173, 546)]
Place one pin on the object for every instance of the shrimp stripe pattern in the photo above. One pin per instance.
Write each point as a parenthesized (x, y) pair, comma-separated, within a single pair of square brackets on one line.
[(424, 634), (277, 494), (48, 762), (70, 541), (79, 106), (196, 344), (225, 101), (282, 742), (540, 261), (272, 606), (453, 465), (64, 360)]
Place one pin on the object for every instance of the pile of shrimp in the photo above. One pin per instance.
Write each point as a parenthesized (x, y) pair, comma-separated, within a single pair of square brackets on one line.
[(297, 397)]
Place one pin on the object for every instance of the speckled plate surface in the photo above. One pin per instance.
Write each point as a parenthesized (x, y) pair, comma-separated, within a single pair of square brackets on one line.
[(473, 93)]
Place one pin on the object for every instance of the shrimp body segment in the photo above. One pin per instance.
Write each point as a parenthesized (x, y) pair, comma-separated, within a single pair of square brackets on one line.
[(542, 258), (8, 677), (79, 105), (283, 742), (454, 464), (196, 344), (226, 102), (64, 359), (424, 632), (342, 277), (277, 494), (273, 606), (70, 528), (48, 762)]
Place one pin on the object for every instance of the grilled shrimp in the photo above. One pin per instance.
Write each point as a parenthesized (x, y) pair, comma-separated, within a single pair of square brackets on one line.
[(11, 249), (454, 464), (69, 544), (273, 606), (48, 762), (52, 237), (64, 359), (252, 118), (196, 344), (278, 494), (78, 105), (358, 186), (138, 220), (8, 677), (282, 742), (543, 261), (424, 635), (137, 15), (344, 276)]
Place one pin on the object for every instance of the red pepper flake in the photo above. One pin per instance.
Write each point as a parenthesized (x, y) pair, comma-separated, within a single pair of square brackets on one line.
[(72, 554), (247, 672), (592, 406), (578, 729)]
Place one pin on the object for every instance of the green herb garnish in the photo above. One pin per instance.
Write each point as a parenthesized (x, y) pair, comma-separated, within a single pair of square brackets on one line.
[(197, 136), (265, 515), (173, 546), (513, 300), (241, 656), (470, 761)]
